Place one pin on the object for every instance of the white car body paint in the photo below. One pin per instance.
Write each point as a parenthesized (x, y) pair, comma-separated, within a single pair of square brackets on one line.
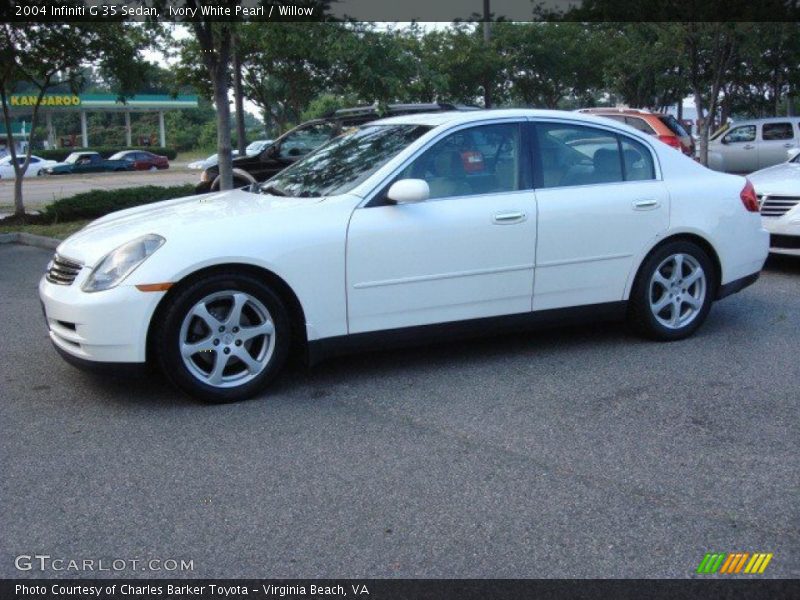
[(356, 269), (778, 188)]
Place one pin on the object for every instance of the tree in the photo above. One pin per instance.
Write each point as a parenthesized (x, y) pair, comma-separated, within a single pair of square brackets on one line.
[(643, 67), (547, 62), (43, 57), (214, 41), (710, 49)]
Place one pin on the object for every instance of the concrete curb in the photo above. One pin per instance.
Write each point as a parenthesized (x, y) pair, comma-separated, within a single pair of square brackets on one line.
[(29, 239)]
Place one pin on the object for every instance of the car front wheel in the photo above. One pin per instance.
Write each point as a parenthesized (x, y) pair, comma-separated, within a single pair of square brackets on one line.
[(673, 291), (223, 338)]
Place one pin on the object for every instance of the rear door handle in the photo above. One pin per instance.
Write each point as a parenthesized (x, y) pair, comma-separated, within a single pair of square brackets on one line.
[(788, 145), (748, 146), (509, 218), (646, 204)]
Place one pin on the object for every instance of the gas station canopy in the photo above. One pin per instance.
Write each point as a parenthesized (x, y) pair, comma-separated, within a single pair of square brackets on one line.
[(22, 104)]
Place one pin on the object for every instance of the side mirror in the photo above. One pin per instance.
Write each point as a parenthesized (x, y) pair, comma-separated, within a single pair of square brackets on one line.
[(409, 191)]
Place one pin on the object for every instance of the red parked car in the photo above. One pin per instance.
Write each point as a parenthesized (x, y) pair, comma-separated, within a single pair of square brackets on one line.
[(142, 160), (663, 126)]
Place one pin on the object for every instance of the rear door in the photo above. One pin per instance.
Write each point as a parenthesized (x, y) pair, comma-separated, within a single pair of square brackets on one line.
[(601, 202), (774, 142)]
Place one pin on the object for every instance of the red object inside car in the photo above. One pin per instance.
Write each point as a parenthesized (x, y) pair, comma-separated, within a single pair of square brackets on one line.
[(472, 161)]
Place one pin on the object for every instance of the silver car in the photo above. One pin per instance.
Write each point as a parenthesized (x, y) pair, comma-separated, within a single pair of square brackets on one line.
[(747, 146)]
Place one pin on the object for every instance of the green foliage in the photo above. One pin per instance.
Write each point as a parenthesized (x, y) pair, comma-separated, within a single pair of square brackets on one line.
[(325, 104), (60, 154), (97, 203)]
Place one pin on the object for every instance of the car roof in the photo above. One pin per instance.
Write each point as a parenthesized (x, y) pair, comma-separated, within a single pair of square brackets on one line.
[(765, 120), (458, 117)]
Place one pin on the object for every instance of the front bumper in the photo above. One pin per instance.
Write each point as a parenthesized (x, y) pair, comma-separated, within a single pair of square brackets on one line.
[(106, 327), (784, 233)]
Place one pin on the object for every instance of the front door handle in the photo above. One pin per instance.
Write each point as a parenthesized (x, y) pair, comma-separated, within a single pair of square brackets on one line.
[(789, 145), (748, 146), (646, 204), (509, 218)]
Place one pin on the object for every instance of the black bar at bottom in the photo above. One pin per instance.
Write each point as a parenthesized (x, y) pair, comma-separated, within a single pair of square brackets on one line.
[(399, 589)]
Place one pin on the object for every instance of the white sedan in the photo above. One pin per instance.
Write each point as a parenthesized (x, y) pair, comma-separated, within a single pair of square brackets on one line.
[(778, 190), (409, 228), (36, 167)]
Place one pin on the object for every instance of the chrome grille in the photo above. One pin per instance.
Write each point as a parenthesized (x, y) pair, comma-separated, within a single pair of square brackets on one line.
[(777, 206), (62, 270)]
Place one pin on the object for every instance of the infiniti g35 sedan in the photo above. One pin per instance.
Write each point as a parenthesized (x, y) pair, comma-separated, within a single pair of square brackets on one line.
[(402, 229)]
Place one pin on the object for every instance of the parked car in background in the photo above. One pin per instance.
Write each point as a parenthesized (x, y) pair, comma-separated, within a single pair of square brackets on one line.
[(257, 147), (778, 191), (208, 162), (36, 167), (297, 142), (747, 146), (403, 229), (88, 162), (663, 126), (142, 160)]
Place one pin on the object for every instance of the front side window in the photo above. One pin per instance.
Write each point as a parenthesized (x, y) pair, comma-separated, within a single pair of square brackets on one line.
[(345, 162), (745, 133), (776, 131), (478, 160)]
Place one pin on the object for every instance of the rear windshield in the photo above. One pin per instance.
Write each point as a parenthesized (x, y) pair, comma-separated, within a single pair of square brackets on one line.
[(673, 125)]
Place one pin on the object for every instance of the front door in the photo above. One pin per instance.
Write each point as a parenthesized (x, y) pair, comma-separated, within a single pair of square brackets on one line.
[(739, 151), (467, 252)]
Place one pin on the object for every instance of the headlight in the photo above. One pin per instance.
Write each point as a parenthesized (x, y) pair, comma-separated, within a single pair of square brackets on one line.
[(119, 263)]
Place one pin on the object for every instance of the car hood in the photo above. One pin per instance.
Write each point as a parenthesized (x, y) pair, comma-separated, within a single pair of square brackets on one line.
[(189, 218), (780, 179)]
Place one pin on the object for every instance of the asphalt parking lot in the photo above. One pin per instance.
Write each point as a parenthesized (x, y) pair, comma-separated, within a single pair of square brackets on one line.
[(40, 191), (581, 452)]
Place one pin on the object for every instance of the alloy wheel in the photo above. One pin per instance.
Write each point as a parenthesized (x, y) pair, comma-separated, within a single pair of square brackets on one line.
[(227, 339)]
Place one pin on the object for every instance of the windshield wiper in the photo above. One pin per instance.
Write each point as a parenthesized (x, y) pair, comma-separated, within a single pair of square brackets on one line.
[(272, 189)]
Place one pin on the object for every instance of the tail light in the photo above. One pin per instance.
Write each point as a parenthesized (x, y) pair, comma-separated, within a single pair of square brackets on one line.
[(670, 140), (748, 196)]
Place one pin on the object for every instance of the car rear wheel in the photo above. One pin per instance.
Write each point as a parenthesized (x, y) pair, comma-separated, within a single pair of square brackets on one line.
[(673, 291), (223, 338)]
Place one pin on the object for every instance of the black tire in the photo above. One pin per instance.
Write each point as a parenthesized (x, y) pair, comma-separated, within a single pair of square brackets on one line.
[(167, 337), (647, 294)]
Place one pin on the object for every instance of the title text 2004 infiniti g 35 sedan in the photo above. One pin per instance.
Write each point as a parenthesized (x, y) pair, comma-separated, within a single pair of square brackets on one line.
[(401, 228)]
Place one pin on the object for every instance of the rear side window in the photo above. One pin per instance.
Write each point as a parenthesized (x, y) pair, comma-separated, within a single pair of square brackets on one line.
[(639, 124), (571, 155), (637, 161), (776, 131)]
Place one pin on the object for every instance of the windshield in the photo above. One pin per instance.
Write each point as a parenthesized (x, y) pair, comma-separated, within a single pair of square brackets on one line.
[(795, 159), (344, 162)]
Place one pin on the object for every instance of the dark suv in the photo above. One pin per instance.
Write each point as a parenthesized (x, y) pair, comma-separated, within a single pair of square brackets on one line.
[(297, 142)]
